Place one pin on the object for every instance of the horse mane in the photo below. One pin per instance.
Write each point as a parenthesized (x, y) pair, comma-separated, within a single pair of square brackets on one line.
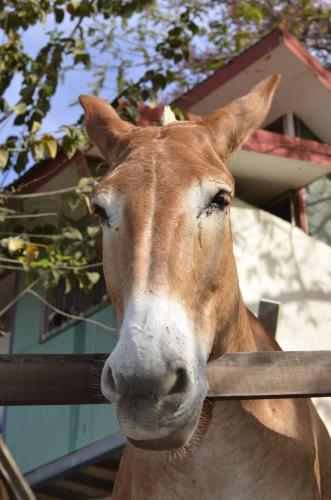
[(263, 338)]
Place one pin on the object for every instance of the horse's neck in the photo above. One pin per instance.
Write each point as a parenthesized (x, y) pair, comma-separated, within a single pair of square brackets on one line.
[(245, 333)]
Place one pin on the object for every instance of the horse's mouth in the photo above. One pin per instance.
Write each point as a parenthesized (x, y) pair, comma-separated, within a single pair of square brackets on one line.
[(171, 442), (177, 439), (179, 435)]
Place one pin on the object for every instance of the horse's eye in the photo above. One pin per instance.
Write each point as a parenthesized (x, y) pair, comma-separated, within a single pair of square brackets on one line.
[(100, 212), (221, 200)]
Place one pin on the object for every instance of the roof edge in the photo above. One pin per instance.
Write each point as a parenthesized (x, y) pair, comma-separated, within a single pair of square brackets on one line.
[(300, 51), (248, 57), (231, 69)]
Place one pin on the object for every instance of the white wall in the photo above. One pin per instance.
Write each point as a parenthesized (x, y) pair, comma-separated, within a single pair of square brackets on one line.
[(278, 261)]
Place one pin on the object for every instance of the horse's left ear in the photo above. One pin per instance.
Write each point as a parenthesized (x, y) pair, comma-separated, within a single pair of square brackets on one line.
[(231, 125), (104, 127)]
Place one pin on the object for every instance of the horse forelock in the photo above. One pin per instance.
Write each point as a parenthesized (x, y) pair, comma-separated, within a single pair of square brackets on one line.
[(168, 116)]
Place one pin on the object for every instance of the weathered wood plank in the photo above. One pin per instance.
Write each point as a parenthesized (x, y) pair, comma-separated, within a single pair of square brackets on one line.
[(50, 379), (270, 375), (75, 379)]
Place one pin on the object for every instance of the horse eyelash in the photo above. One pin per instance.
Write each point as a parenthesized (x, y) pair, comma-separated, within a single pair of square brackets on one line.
[(100, 212), (215, 204)]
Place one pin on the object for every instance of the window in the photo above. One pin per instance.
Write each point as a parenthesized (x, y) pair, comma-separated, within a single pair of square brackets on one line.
[(289, 206), (283, 207), (300, 129), (276, 126), (76, 302)]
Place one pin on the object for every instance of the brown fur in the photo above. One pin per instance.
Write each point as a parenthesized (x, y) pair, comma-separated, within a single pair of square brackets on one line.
[(269, 449)]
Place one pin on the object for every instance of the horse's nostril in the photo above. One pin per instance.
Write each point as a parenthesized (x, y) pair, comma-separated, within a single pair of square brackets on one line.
[(144, 386), (181, 382)]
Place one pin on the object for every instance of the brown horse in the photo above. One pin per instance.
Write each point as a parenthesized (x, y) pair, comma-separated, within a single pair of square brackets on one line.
[(171, 275)]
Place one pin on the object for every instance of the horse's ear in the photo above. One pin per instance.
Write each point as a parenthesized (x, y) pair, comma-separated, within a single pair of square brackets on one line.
[(231, 125), (103, 125)]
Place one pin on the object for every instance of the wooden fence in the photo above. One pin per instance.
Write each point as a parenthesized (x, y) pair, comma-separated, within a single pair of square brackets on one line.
[(57, 379), (44, 379)]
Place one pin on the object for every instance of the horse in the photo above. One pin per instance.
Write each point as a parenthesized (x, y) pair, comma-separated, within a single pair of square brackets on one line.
[(169, 267)]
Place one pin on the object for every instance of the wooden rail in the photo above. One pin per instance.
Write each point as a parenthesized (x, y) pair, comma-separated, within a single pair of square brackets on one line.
[(44, 379)]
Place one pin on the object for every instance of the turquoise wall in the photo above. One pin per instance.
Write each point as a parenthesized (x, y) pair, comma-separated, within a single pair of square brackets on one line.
[(39, 434)]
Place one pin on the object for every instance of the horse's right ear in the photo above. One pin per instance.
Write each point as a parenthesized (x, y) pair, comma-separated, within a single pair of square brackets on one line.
[(229, 127), (103, 125)]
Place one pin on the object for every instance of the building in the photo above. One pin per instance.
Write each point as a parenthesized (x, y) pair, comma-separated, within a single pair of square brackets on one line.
[(281, 248)]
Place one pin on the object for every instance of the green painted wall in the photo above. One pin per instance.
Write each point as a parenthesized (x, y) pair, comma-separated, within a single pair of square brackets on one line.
[(39, 434)]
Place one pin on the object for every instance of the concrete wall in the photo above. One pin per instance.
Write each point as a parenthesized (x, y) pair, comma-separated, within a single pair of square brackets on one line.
[(280, 262)]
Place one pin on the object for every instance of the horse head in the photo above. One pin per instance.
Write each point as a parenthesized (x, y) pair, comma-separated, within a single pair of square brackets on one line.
[(168, 259)]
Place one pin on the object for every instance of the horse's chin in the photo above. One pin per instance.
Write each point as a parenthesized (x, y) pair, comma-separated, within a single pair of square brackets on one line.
[(173, 441), (183, 439)]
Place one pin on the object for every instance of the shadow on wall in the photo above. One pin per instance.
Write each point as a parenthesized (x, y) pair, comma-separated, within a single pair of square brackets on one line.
[(280, 262)]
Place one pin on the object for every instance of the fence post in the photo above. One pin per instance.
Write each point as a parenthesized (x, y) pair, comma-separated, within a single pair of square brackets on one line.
[(268, 314)]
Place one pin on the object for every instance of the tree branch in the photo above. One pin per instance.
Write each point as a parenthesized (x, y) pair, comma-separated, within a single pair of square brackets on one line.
[(71, 316), (19, 296)]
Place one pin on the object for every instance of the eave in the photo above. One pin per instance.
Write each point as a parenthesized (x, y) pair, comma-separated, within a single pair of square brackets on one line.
[(271, 164), (305, 88)]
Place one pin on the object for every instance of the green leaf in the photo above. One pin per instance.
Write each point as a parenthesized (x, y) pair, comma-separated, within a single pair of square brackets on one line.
[(73, 201), (20, 108), (50, 145), (69, 146), (83, 58), (193, 27), (159, 81), (4, 156), (72, 233), (75, 3), (86, 184), (38, 150), (92, 231), (21, 161), (56, 276), (68, 285), (93, 277), (35, 127), (59, 15)]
